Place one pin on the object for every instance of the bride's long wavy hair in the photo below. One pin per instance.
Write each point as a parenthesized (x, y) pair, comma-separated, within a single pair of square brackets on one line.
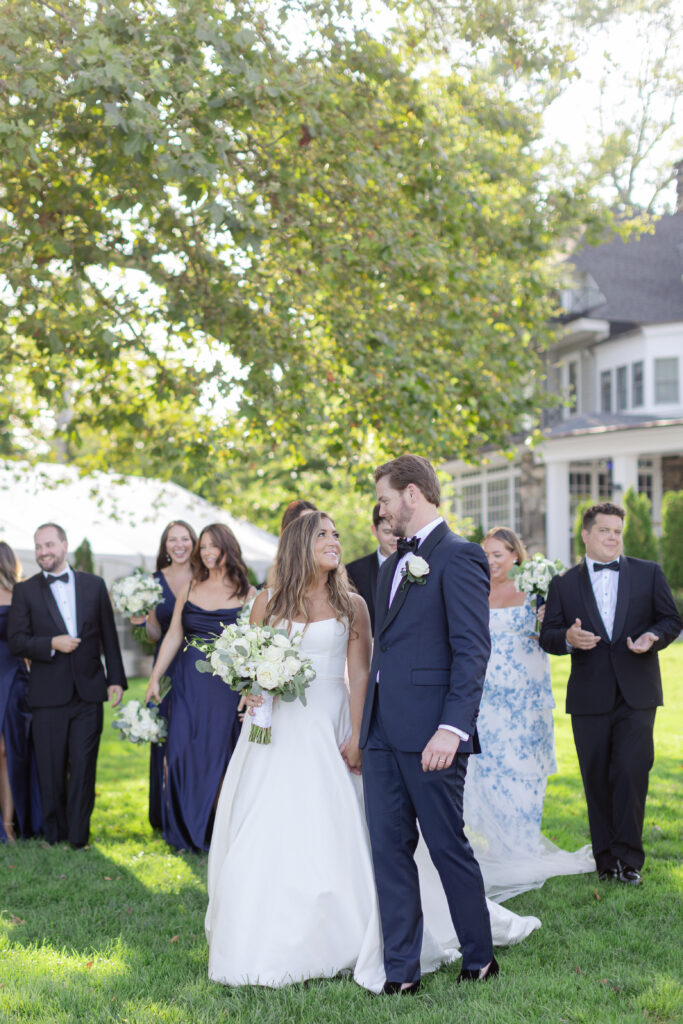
[(296, 571)]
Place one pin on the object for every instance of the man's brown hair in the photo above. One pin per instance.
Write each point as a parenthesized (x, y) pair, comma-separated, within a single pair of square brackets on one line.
[(412, 469)]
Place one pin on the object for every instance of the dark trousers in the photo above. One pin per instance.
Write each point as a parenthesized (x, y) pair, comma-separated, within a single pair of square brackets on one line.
[(398, 795), (66, 741), (616, 753)]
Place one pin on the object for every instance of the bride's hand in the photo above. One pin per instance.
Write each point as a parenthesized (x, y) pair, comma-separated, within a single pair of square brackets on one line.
[(350, 751), (248, 701)]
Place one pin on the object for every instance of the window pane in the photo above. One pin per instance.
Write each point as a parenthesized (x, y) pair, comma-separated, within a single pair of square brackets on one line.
[(666, 381), (637, 385), (498, 496), (622, 388), (573, 386), (471, 502), (606, 391)]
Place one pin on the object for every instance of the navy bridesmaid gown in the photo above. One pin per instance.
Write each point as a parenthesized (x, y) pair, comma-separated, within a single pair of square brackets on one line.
[(15, 725), (157, 753), (203, 729)]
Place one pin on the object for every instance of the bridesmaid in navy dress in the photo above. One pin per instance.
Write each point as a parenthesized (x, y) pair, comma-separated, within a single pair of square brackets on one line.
[(203, 725), (19, 795), (174, 573)]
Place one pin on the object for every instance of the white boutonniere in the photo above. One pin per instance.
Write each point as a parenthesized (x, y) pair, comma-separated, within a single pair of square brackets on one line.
[(415, 570)]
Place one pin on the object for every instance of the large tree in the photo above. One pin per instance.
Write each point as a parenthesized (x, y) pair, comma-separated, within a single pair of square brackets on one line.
[(231, 241)]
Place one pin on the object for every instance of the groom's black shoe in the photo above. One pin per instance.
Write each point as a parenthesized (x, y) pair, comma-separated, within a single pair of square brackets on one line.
[(607, 874), (394, 988), (625, 873), (492, 972)]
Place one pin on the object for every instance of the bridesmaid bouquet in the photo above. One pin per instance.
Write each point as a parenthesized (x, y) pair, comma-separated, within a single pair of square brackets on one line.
[(533, 576), (261, 660), (140, 724), (136, 594)]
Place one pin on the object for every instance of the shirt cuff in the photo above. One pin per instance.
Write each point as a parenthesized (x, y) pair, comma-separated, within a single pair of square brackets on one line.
[(458, 732)]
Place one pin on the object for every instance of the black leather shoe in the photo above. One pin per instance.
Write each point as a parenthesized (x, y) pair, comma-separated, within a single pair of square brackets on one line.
[(492, 972), (607, 874), (394, 988), (627, 874)]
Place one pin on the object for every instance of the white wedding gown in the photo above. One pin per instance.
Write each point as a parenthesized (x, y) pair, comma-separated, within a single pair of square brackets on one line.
[(291, 888)]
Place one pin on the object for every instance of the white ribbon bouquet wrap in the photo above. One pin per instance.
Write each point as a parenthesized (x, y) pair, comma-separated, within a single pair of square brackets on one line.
[(263, 660)]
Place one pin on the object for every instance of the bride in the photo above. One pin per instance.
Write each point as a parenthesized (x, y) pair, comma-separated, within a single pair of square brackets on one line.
[(290, 882)]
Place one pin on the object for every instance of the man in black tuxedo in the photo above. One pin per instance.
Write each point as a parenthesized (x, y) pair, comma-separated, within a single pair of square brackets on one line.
[(62, 621), (364, 571), (612, 614)]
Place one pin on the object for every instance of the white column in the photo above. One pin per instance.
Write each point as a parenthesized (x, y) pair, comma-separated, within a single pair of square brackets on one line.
[(624, 475), (557, 522)]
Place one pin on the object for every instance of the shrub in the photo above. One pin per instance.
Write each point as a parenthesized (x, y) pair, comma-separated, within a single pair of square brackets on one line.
[(639, 537), (672, 538)]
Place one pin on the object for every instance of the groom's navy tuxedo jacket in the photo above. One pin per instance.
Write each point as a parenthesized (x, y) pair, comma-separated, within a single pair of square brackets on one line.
[(644, 604), (431, 646), (34, 618)]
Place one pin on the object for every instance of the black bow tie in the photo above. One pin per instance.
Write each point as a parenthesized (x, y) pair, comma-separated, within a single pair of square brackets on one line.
[(403, 546), (64, 578), (606, 565)]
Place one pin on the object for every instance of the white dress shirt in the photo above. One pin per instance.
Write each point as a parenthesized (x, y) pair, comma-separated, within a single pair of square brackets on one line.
[(65, 596), (605, 584), (381, 559)]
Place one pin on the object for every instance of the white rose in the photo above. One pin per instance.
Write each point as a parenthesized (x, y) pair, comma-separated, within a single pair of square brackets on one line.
[(273, 654), (280, 640), (417, 566), (268, 676)]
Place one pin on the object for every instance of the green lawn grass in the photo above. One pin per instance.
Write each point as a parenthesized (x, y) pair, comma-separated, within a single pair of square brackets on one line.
[(114, 933)]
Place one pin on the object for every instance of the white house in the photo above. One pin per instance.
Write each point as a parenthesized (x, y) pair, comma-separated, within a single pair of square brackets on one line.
[(619, 363)]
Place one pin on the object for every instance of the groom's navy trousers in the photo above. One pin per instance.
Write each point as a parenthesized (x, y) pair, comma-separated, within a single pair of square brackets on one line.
[(397, 792)]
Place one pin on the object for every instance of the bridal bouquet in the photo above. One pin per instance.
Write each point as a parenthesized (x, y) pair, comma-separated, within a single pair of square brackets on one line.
[(136, 594), (533, 576), (260, 660), (140, 724)]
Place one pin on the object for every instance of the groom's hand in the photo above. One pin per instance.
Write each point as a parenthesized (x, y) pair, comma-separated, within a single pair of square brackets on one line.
[(440, 751)]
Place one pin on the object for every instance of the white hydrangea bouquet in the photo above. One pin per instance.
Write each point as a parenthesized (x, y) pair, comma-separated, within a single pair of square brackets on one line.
[(136, 594), (533, 576), (140, 724), (261, 660)]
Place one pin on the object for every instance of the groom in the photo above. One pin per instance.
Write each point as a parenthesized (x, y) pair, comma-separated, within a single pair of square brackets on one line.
[(419, 722)]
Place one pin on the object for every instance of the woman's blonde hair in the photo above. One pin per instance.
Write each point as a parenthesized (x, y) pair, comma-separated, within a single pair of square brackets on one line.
[(10, 567), (296, 570), (510, 539)]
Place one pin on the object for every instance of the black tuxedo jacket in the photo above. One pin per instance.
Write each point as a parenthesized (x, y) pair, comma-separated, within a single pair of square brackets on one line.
[(644, 604), (34, 618), (363, 574)]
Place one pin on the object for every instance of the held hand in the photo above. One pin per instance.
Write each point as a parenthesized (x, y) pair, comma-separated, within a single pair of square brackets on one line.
[(440, 751), (540, 613), (65, 643), (350, 751), (152, 691), (138, 620), (115, 693), (249, 701), (582, 639), (642, 644)]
